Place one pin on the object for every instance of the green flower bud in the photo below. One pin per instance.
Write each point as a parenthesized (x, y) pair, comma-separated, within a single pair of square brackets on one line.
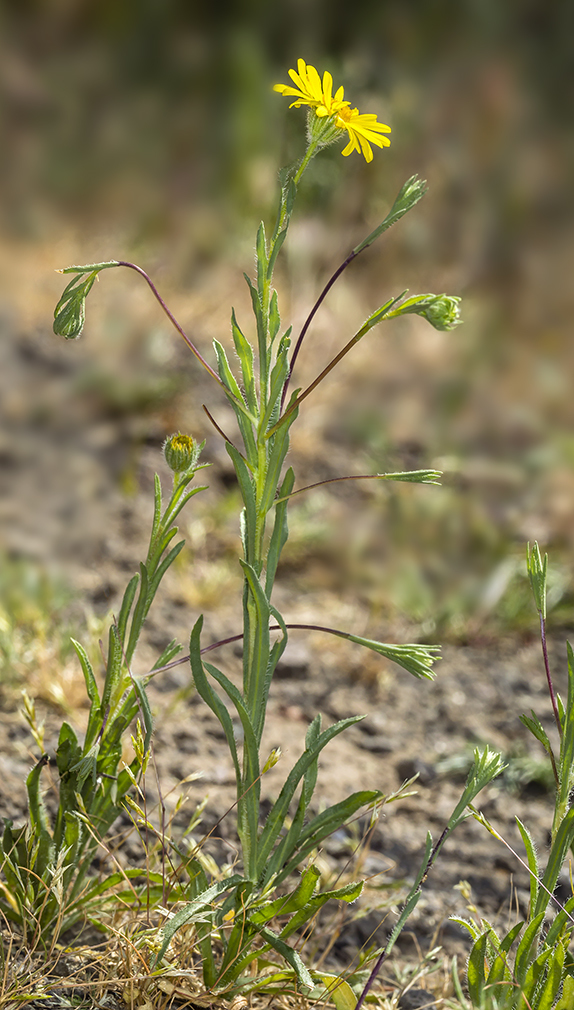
[(180, 452), (441, 311)]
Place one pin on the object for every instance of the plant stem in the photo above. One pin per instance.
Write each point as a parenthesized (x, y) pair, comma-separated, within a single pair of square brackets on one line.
[(548, 674), (310, 318), (384, 953), (173, 320)]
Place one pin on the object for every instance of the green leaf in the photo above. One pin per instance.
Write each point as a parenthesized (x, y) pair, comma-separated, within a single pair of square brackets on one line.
[(261, 325), (247, 489), (279, 810), (289, 955), (245, 354), (562, 842), (162, 569), (225, 373), (415, 659), (567, 741), (127, 603), (257, 686), (193, 911), (249, 803), (289, 903), (279, 240), (409, 195), (532, 980), (319, 828), (145, 711), (532, 861), (113, 669), (350, 892), (138, 616), (279, 445), (338, 992), (211, 697), (261, 256), (414, 476), (562, 924), (39, 817), (476, 970), (566, 1001), (532, 722), (524, 956), (279, 374), (466, 924), (280, 532), (70, 312), (537, 571)]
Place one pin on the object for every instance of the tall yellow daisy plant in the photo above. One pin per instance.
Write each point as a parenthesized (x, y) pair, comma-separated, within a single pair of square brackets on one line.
[(243, 921)]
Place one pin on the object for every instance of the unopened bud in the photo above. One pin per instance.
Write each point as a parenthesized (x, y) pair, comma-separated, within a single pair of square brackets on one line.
[(272, 760), (180, 452), (441, 311)]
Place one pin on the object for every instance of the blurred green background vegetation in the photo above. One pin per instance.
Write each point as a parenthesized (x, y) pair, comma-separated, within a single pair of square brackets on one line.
[(147, 129)]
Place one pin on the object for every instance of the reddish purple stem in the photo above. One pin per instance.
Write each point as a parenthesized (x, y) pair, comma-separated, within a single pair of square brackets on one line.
[(171, 317), (237, 638), (548, 674), (310, 318)]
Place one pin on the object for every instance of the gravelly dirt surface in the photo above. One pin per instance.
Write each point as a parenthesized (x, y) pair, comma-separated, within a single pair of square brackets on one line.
[(60, 497)]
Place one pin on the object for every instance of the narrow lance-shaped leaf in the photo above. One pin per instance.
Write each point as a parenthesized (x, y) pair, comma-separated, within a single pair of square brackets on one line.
[(532, 861), (537, 575), (409, 195), (277, 814), (203, 903), (245, 355)]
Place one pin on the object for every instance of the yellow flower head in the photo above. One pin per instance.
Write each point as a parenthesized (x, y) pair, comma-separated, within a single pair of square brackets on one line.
[(363, 129)]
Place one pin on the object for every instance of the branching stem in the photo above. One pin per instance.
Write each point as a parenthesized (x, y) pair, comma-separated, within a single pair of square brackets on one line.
[(173, 320), (310, 318)]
